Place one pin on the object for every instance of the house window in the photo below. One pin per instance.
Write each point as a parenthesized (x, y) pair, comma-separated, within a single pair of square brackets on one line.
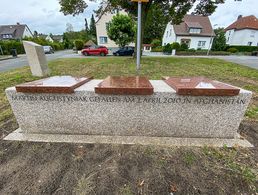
[(249, 43), (201, 43), (7, 36), (102, 40), (107, 25), (252, 33), (170, 32), (195, 30), (167, 33), (186, 41)]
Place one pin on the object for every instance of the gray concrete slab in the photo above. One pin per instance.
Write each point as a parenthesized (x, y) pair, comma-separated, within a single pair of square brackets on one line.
[(19, 135)]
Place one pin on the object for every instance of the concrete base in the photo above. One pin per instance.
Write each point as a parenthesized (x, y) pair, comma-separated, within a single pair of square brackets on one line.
[(20, 135)]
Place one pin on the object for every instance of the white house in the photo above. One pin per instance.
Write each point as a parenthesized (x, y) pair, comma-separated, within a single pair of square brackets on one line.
[(101, 28), (244, 31), (18, 31), (195, 31)]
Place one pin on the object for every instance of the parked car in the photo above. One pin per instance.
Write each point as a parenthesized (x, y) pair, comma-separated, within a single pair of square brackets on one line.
[(48, 49), (95, 50), (125, 51)]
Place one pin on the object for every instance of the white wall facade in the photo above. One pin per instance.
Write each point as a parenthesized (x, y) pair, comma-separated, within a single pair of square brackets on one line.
[(27, 33), (196, 42), (169, 35), (242, 37), (101, 28)]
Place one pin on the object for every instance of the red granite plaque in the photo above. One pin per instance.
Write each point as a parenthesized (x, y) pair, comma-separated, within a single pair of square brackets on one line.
[(55, 84), (125, 86), (200, 86)]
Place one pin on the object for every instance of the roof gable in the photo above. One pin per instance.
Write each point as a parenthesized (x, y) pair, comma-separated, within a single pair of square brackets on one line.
[(194, 21), (247, 22), (16, 30)]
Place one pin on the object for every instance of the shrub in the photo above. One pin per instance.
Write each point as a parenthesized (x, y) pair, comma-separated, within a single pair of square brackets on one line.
[(167, 48), (232, 50), (175, 46), (157, 49), (78, 43), (244, 48), (202, 53), (191, 50), (184, 47), (156, 43), (12, 44)]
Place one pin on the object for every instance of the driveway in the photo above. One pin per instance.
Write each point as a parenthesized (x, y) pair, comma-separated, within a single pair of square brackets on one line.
[(250, 61), (21, 61)]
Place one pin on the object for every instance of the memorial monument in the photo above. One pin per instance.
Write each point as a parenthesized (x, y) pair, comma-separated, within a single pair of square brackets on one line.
[(132, 110), (36, 58)]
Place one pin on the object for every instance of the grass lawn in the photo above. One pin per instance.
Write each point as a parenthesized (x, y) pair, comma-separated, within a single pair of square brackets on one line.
[(107, 169)]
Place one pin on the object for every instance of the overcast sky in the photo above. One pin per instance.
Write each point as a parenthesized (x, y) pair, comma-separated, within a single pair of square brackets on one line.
[(44, 15)]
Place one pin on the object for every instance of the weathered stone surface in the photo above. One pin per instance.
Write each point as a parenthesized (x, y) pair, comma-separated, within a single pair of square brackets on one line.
[(163, 114), (36, 58)]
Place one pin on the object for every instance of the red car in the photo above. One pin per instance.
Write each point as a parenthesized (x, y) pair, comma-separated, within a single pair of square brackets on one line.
[(95, 50)]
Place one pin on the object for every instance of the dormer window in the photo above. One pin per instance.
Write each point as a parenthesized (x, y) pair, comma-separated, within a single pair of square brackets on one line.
[(195, 30), (7, 36)]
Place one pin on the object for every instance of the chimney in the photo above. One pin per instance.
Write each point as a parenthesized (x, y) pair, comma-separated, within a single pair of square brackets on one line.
[(240, 16)]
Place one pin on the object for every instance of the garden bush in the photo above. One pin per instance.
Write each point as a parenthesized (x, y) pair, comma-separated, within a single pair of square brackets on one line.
[(175, 46), (12, 44), (156, 43), (232, 50), (78, 43), (183, 47), (157, 49), (242, 48), (167, 48)]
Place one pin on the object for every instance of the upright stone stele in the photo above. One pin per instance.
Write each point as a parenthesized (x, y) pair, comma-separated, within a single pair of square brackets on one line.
[(36, 58)]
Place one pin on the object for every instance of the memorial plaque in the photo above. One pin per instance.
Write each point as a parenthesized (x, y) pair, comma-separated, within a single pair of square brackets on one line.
[(200, 86), (125, 86), (55, 84)]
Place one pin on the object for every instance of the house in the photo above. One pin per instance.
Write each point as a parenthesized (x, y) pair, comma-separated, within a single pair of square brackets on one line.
[(18, 31), (54, 38), (195, 31), (101, 28), (89, 43), (244, 31)]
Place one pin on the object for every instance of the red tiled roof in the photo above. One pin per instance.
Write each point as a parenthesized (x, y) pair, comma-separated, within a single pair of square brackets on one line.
[(248, 22)]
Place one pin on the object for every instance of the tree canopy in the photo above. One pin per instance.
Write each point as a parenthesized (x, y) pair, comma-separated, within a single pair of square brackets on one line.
[(121, 30), (219, 42)]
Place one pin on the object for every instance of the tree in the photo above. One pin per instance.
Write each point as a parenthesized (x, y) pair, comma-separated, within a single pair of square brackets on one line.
[(173, 10), (219, 42), (86, 25), (35, 33), (69, 27), (93, 26), (155, 25), (121, 30)]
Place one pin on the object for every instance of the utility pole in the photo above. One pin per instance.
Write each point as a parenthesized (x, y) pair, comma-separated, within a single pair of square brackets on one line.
[(139, 31), (211, 41)]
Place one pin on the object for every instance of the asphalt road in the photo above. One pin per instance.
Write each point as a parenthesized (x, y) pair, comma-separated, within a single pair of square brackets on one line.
[(21, 61)]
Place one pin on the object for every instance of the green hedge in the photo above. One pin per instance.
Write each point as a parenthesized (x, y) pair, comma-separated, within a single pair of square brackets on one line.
[(157, 49), (17, 44), (202, 53), (8, 45), (241, 48)]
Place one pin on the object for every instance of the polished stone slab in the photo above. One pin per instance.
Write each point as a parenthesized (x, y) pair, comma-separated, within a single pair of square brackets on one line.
[(125, 86), (20, 135), (55, 84), (200, 86)]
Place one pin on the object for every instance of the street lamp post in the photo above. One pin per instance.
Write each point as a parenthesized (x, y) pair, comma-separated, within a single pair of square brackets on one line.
[(139, 25)]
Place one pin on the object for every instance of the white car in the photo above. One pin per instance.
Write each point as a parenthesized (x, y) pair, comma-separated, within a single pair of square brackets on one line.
[(48, 49)]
